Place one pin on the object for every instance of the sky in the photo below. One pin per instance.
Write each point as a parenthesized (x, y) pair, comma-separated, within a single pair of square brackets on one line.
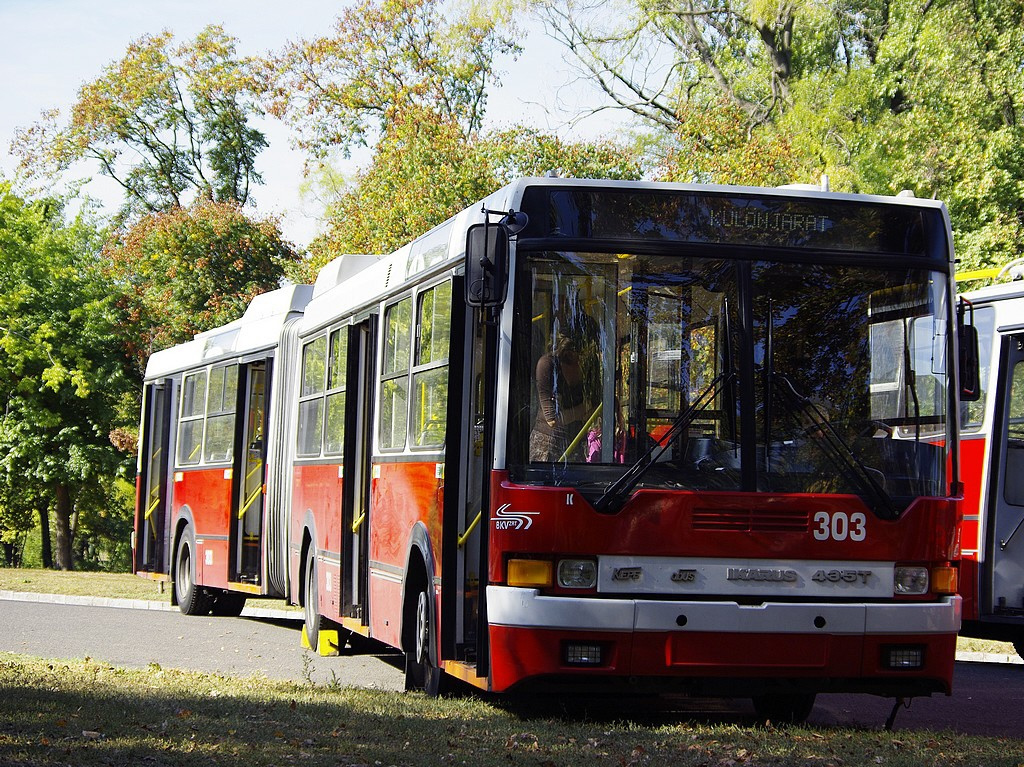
[(50, 48)]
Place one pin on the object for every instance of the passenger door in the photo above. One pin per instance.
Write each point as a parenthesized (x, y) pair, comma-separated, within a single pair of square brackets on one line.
[(250, 469), (151, 511), (355, 516), (1006, 523)]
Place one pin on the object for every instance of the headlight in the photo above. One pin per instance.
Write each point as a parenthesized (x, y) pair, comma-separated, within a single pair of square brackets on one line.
[(910, 580), (577, 573)]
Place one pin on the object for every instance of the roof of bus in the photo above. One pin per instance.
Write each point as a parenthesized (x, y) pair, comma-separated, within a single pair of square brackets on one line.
[(998, 292), (259, 328), (350, 281)]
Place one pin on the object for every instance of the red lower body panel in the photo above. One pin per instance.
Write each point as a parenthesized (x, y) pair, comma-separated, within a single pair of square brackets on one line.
[(822, 661)]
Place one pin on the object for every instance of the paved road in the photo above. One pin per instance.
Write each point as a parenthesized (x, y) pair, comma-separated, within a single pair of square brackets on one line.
[(136, 638), (988, 697)]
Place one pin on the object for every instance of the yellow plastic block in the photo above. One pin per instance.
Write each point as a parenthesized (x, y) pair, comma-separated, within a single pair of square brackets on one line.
[(328, 643)]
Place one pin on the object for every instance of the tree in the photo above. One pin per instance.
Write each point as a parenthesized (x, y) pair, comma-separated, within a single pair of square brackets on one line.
[(655, 58), (880, 96), (385, 60), (425, 170), (65, 383), (188, 270), (168, 123)]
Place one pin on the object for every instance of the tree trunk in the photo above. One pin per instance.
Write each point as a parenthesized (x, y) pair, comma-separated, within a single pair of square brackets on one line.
[(44, 535), (64, 534)]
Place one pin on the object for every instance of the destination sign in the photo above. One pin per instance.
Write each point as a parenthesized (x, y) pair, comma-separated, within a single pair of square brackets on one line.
[(733, 219)]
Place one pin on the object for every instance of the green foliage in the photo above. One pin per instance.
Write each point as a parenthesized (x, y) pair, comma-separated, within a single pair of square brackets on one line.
[(63, 374), (880, 96), (189, 270), (716, 146), (168, 123), (425, 170), (386, 60)]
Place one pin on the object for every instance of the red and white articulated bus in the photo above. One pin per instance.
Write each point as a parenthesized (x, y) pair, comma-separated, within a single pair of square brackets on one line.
[(590, 434), (992, 443)]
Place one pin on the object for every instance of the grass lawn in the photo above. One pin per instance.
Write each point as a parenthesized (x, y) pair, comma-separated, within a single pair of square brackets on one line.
[(88, 713), (115, 585)]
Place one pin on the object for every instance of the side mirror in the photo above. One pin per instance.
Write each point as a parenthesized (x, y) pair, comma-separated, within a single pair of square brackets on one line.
[(967, 340), (487, 248)]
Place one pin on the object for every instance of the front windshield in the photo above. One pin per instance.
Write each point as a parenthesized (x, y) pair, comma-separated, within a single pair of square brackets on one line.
[(717, 374)]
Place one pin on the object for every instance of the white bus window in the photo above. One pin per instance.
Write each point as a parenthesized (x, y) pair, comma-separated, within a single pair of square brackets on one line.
[(394, 390), (311, 397), (220, 414), (430, 376), (190, 425), (334, 434)]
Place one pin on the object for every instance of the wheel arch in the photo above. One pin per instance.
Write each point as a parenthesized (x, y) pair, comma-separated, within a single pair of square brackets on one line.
[(419, 570)]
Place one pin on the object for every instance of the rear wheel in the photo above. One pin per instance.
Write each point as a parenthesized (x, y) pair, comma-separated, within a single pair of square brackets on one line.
[(192, 598), (311, 601), (791, 708)]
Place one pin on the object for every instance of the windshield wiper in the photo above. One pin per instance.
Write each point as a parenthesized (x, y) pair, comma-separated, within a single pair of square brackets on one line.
[(618, 492), (842, 455)]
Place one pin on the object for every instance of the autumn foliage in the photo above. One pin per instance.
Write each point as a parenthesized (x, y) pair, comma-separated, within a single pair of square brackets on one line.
[(191, 269)]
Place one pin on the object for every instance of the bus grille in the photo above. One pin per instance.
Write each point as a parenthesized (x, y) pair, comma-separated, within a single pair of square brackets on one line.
[(750, 521)]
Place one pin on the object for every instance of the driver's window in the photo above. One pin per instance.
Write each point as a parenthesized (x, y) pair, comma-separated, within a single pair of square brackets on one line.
[(569, 346)]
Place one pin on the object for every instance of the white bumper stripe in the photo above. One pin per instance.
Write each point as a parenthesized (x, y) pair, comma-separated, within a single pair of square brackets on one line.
[(517, 607)]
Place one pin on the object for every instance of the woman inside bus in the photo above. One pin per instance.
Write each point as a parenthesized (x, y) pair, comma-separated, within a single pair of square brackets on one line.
[(562, 413)]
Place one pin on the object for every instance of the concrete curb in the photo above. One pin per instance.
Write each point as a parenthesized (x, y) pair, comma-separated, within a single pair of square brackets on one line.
[(989, 657), (269, 613), (266, 613)]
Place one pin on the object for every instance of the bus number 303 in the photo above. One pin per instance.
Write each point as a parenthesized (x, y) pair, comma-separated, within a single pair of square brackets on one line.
[(840, 526)]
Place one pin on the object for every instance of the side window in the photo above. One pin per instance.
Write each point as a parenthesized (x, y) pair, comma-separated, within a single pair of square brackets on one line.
[(430, 368), (334, 438), (972, 414), (311, 397), (394, 390), (190, 423), (220, 414)]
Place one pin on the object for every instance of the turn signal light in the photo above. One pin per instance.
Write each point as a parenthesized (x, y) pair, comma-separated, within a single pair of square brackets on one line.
[(944, 580), (530, 573)]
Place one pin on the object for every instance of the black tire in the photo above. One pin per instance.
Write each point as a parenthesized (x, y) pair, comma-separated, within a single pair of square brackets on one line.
[(192, 598), (1018, 645), (228, 604), (310, 600), (784, 708), (421, 670)]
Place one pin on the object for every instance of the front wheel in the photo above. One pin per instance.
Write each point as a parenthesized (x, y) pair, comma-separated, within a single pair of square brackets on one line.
[(421, 670), (792, 708), (192, 598)]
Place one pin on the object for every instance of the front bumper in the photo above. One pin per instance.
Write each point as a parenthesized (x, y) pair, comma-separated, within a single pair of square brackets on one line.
[(820, 647)]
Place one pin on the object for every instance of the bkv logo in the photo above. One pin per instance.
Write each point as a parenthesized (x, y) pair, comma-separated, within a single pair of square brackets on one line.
[(505, 519)]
